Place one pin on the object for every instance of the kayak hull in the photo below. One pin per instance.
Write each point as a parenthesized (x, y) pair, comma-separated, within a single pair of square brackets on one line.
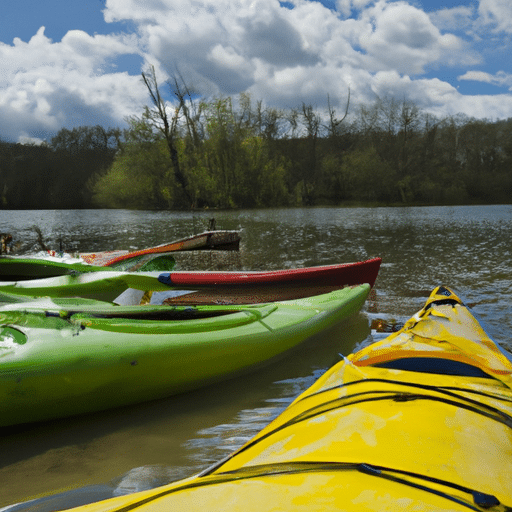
[(62, 357), (21, 268), (24, 268), (254, 287), (209, 240), (371, 435), (339, 274), (212, 287)]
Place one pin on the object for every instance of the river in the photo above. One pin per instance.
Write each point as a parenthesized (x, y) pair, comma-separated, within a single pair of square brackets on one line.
[(466, 247)]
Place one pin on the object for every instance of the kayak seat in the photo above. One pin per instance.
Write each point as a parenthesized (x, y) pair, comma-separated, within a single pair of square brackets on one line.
[(434, 365)]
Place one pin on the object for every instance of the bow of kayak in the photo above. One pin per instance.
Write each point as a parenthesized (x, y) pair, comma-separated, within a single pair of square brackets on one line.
[(421, 420)]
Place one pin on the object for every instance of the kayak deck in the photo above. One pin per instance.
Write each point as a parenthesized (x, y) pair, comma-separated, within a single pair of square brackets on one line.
[(61, 357)]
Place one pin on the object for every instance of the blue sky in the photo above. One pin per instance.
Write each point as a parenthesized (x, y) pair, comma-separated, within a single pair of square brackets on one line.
[(67, 63)]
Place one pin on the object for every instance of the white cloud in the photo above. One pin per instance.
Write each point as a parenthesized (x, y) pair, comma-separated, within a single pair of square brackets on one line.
[(345, 7), (456, 18), (430, 94), (281, 55), (497, 13), (149, 11), (501, 79), (47, 85), (204, 40), (403, 38), (482, 106), (442, 99)]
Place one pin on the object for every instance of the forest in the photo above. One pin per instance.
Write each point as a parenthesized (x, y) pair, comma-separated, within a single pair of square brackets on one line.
[(236, 153)]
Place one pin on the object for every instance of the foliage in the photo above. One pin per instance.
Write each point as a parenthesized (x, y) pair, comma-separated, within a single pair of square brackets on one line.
[(56, 174), (227, 153), (140, 176), (367, 177)]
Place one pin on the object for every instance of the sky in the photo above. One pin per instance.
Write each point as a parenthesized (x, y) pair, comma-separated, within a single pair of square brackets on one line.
[(68, 63)]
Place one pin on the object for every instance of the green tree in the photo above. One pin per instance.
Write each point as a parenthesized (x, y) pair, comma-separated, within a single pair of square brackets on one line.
[(141, 175), (367, 177), (266, 172), (226, 156)]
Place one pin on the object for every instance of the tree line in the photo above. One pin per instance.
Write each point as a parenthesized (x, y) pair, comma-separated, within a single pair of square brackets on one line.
[(59, 173), (224, 153)]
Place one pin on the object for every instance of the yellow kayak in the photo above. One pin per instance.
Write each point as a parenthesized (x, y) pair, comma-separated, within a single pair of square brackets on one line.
[(420, 421)]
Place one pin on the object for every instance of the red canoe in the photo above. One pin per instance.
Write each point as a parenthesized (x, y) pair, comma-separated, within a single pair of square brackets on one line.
[(264, 286)]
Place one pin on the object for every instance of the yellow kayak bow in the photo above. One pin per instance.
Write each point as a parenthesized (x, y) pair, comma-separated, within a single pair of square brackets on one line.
[(421, 420)]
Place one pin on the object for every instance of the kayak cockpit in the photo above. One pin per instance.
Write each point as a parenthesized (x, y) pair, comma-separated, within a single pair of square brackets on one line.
[(436, 365), (163, 315)]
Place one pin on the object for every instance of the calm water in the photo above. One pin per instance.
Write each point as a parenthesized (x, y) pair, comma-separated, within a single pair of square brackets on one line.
[(111, 453)]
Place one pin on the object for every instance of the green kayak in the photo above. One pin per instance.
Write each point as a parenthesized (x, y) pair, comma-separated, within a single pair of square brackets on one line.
[(61, 357), (105, 285), (21, 268)]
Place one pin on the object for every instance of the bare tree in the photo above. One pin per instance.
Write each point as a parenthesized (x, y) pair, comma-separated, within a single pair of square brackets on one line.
[(334, 123), (168, 127), (311, 121), (409, 117), (192, 111)]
